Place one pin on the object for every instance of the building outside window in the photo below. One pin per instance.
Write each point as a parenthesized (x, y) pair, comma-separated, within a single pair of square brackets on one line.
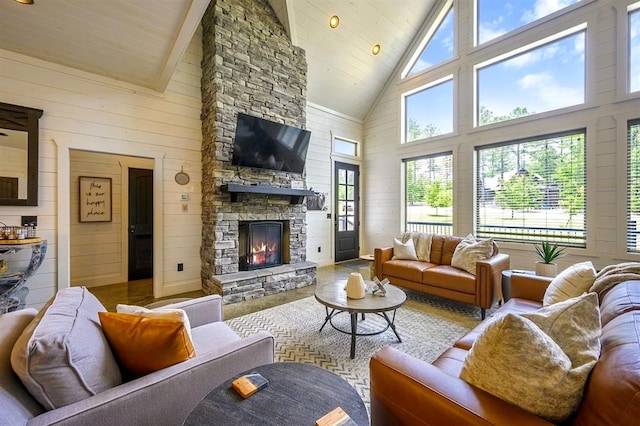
[(533, 190)]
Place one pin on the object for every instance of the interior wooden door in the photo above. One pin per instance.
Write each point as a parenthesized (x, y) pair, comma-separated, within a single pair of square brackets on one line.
[(140, 224), (347, 211)]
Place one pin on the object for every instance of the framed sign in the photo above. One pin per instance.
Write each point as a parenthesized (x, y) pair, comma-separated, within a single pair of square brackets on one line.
[(95, 199)]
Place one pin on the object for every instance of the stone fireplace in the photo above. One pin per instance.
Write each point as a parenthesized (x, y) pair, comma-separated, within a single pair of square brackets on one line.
[(249, 65)]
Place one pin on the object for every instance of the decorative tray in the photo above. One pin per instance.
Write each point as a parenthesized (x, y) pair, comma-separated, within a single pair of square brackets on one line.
[(22, 241)]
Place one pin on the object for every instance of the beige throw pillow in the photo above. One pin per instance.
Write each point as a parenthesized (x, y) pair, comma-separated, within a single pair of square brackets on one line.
[(405, 251), (539, 361), (571, 282), (422, 244), (469, 251)]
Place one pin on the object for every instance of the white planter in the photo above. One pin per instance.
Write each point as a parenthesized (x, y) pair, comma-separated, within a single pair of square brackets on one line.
[(546, 269)]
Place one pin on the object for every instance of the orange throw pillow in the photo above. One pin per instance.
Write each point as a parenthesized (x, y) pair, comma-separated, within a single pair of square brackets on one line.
[(143, 345)]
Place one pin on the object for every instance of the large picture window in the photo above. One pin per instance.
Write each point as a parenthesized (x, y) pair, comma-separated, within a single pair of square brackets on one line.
[(533, 190), (633, 186), (429, 194), (541, 78), (497, 17), (428, 112)]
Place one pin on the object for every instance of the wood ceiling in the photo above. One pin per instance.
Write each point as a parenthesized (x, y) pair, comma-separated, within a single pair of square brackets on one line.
[(142, 41)]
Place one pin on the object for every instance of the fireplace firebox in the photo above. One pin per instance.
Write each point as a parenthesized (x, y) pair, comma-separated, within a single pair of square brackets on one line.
[(260, 245)]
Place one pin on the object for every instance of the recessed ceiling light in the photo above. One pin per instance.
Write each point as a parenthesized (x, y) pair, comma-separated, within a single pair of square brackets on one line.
[(25, 1), (334, 21), (376, 49)]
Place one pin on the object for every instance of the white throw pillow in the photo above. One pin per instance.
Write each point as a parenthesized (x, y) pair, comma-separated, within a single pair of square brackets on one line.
[(539, 361), (571, 282), (405, 251), (469, 251), (168, 313)]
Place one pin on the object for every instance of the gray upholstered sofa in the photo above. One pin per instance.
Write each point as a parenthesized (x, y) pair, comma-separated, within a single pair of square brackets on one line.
[(164, 397)]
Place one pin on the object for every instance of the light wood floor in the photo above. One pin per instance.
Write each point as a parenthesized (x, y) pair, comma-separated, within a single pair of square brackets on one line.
[(141, 292)]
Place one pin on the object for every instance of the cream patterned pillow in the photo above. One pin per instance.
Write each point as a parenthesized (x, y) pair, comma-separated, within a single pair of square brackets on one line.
[(404, 250), (571, 282), (539, 361), (469, 251)]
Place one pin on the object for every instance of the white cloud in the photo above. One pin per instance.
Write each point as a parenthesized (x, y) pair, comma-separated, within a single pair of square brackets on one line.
[(489, 32), (543, 8), (545, 89)]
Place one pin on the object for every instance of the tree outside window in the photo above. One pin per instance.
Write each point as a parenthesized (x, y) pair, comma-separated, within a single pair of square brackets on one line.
[(429, 194), (533, 190)]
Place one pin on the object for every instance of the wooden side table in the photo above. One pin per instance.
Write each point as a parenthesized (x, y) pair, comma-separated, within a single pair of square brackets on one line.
[(369, 258)]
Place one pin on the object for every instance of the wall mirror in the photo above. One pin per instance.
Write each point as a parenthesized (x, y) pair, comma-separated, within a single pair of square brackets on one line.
[(19, 159)]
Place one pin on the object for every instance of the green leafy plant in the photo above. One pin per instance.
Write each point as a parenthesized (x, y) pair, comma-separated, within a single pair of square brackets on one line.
[(549, 252)]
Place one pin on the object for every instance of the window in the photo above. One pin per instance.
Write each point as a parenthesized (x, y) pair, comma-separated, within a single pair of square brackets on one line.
[(634, 47), (344, 146), (633, 186), (497, 17), (533, 190), (428, 111), (429, 194), (543, 78), (436, 47)]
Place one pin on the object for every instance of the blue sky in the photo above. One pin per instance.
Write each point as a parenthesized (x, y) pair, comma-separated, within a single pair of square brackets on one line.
[(545, 78), (634, 49)]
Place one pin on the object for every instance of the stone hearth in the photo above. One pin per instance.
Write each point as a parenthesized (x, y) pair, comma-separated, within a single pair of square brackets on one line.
[(249, 65)]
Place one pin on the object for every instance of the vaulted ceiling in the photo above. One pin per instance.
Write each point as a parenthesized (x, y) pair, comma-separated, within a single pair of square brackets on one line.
[(142, 41)]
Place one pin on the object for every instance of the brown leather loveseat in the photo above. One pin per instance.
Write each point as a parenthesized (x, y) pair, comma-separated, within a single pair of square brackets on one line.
[(439, 278), (409, 391)]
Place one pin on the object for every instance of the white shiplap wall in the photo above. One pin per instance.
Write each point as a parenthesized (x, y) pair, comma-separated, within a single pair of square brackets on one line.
[(87, 112), (325, 124), (604, 115)]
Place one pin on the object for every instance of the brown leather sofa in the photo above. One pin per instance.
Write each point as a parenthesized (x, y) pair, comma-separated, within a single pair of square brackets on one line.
[(408, 391), (439, 278)]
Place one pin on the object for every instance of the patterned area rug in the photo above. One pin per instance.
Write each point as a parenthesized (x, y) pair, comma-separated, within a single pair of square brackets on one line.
[(427, 326)]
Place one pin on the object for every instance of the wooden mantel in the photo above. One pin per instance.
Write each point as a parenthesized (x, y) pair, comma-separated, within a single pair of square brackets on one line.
[(238, 191)]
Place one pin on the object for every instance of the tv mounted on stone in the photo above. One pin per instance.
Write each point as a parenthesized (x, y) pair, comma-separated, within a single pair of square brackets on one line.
[(265, 144)]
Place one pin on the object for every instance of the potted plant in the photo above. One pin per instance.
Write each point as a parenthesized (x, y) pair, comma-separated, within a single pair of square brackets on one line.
[(548, 253)]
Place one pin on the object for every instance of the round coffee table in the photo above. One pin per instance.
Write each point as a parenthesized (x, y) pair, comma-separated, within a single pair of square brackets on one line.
[(334, 297), (297, 394)]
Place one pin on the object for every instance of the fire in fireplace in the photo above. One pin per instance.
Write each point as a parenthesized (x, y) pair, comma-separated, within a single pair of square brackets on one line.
[(260, 244)]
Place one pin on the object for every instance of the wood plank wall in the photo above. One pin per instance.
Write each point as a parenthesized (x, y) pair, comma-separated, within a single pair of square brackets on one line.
[(96, 111)]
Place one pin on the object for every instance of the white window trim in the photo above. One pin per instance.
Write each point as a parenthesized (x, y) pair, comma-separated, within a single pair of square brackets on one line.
[(403, 106), (335, 154), (524, 49), (432, 28)]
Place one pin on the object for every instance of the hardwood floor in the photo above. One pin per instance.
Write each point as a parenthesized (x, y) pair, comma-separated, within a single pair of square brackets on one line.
[(140, 292)]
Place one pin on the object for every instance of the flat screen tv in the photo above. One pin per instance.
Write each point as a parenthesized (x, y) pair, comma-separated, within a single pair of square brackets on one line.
[(265, 144)]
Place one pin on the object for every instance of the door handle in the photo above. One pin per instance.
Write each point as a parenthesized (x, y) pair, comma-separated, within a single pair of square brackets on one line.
[(132, 228)]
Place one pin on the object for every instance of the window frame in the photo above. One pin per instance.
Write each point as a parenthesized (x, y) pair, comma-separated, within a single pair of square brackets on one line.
[(582, 243), (526, 48), (427, 86), (628, 179), (405, 201), (432, 28)]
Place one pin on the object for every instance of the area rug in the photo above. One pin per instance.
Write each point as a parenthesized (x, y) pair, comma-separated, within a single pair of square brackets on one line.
[(427, 326)]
